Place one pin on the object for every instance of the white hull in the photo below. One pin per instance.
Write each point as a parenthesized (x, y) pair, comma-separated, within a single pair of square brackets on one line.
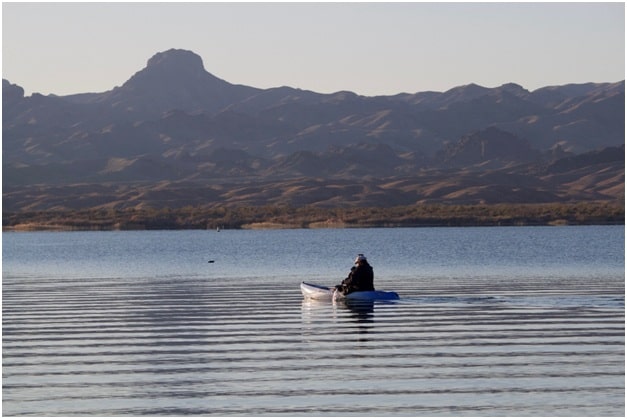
[(319, 292)]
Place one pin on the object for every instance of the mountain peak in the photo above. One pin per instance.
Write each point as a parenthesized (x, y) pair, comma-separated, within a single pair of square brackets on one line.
[(514, 89), (172, 73), (178, 60), (11, 92), (176, 79)]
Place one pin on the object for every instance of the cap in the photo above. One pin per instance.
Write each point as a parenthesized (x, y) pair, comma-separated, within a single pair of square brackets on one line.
[(360, 257)]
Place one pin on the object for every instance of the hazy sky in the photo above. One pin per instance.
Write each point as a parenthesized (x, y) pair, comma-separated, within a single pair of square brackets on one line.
[(368, 48)]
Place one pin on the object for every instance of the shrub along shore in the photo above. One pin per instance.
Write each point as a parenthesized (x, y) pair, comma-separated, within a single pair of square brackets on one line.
[(428, 215)]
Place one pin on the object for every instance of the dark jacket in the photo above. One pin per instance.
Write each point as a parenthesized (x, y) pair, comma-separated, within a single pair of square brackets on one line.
[(361, 278)]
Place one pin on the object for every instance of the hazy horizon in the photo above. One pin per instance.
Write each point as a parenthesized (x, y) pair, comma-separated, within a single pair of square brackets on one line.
[(368, 48)]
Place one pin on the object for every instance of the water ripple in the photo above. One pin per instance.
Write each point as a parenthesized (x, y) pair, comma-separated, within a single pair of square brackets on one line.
[(190, 347)]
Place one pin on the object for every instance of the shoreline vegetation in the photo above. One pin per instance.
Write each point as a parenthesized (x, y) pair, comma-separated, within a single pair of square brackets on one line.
[(279, 217)]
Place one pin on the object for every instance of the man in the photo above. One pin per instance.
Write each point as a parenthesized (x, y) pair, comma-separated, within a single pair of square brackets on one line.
[(360, 278)]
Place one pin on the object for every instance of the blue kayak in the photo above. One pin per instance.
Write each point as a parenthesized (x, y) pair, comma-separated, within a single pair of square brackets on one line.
[(320, 292)]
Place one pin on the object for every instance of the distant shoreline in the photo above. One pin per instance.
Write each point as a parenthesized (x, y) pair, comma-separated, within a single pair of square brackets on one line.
[(276, 217)]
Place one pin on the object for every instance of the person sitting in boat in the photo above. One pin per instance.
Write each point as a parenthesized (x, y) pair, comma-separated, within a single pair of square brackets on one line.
[(360, 278)]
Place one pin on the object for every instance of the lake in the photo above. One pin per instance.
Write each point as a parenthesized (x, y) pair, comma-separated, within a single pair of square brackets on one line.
[(504, 321)]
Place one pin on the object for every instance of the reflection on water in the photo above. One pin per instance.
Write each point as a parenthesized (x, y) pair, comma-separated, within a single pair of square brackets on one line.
[(185, 346), (353, 316), (204, 344), (361, 311)]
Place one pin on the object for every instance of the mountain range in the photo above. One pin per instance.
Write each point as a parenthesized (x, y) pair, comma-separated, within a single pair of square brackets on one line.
[(174, 135)]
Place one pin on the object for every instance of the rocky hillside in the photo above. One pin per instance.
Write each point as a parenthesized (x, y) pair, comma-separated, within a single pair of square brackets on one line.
[(175, 135)]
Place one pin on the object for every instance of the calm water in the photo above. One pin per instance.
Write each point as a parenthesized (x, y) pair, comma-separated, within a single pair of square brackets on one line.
[(491, 322)]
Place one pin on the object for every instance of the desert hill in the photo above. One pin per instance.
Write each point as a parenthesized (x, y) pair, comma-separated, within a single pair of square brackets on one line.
[(175, 135)]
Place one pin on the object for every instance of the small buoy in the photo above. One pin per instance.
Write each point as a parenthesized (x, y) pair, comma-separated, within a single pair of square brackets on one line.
[(211, 261)]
